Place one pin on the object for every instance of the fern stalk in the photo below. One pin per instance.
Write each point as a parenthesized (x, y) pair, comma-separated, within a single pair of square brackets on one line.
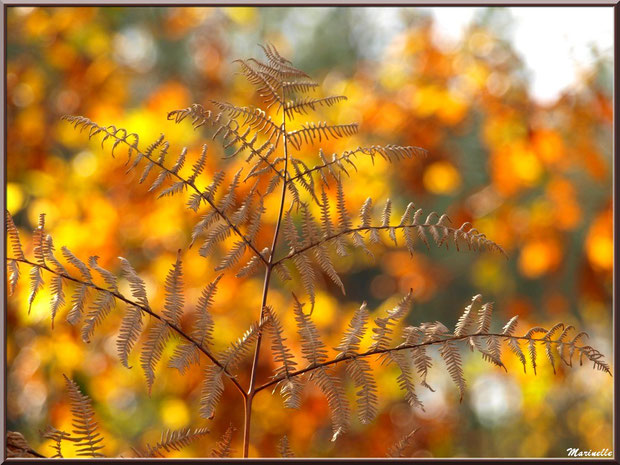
[(269, 268), (451, 338)]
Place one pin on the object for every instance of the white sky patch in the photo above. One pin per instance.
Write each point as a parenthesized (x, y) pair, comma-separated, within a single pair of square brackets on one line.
[(554, 42)]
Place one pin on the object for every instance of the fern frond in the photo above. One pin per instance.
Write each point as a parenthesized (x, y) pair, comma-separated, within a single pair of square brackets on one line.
[(212, 390), (187, 353), (153, 349), (351, 339), (513, 343), (312, 348), (108, 277), (336, 400), (136, 284), (311, 132), (129, 332), (548, 348), (361, 373), (13, 236), (79, 264), (57, 436), (308, 278), (263, 85), (36, 283), (222, 448), (304, 105), (255, 118), (58, 296), (466, 321), (531, 345), (175, 441), (78, 301), (252, 265), (199, 166), (298, 86), (291, 387), (14, 273), (277, 61), (239, 349), (343, 215), (36, 279), (174, 301), (398, 449), (365, 213), (284, 449), (131, 141), (451, 356), (384, 326), (102, 306), (213, 385), (338, 163), (197, 113), (84, 426), (440, 233), (404, 379), (595, 357)]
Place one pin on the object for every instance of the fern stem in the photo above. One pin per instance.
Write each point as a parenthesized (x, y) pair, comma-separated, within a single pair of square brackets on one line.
[(401, 347), (251, 390), (359, 229), (147, 310)]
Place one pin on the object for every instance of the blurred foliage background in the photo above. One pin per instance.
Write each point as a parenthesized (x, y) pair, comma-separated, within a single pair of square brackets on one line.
[(535, 178)]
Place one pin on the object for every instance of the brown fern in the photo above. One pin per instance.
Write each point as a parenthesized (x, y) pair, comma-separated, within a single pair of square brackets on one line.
[(228, 233)]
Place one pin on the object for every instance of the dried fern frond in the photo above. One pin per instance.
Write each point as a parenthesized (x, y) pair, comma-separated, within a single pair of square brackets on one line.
[(101, 307), (186, 354), (152, 350), (129, 332), (383, 332), (255, 118), (410, 224), (13, 236), (398, 449), (175, 441), (57, 436), (16, 247), (264, 83), (451, 356), (351, 339), (316, 132), (367, 400), (223, 447), (36, 279), (313, 350), (342, 164), (84, 426), (416, 341), (159, 333), (213, 384), (284, 449), (131, 141), (290, 387), (136, 284), (174, 301), (304, 105)]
